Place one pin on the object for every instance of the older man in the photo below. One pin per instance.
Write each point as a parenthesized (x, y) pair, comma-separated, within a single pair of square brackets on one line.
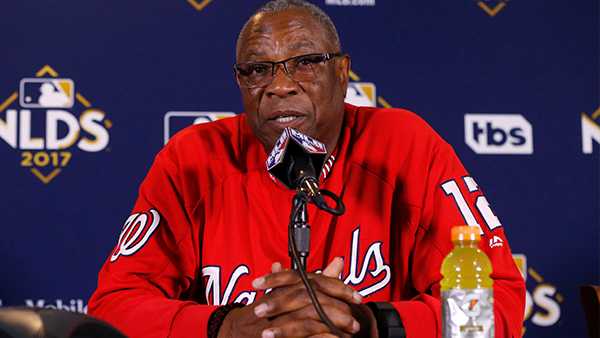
[(209, 227)]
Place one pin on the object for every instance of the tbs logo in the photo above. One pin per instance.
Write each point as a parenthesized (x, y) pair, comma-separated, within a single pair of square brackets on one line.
[(498, 134)]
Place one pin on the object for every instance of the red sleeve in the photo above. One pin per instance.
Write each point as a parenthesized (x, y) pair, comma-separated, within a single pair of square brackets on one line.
[(453, 198), (142, 283)]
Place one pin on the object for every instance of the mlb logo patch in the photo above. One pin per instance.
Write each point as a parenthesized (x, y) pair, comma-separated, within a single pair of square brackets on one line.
[(361, 94), (46, 93), (175, 121)]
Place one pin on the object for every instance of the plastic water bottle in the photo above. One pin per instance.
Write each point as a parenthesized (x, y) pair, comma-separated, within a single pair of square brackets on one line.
[(467, 294)]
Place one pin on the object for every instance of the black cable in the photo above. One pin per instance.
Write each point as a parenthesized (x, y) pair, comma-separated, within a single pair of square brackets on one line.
[(301, 197), (319, 201)]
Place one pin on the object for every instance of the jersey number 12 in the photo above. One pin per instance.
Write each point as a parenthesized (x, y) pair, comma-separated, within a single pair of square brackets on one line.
[(481, 203)]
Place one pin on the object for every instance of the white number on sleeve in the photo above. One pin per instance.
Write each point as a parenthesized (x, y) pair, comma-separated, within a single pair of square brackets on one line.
[(483, 206)]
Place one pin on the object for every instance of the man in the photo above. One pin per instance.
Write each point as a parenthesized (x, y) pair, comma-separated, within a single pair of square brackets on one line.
[(210, 225)]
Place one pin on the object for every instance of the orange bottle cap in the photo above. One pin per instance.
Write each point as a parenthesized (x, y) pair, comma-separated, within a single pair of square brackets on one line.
[(465, 233)]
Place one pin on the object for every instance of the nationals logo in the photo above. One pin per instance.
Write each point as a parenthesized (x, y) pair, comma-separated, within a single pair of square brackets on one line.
[(136, 231), (373, 269)]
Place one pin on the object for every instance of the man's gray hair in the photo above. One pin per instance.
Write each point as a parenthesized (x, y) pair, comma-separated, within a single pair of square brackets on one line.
[(275, 6)]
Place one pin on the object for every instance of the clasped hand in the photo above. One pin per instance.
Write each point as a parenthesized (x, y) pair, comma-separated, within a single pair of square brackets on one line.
[(287, 310)]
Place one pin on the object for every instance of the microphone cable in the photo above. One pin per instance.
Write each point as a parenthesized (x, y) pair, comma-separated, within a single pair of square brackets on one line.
[(302, 198)]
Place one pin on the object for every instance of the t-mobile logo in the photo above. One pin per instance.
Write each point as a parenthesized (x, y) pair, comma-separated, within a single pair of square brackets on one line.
[(498, 134)]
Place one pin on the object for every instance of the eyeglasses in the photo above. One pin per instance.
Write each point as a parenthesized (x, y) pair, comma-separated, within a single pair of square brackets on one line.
[(300, 68)]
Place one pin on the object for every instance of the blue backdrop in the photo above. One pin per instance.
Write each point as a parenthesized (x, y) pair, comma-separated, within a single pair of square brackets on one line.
[(513, 85)]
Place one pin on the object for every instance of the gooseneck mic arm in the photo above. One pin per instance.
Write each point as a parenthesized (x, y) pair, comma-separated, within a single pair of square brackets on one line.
[(298, 261), (300, 231), (299, 218), (295, 161)]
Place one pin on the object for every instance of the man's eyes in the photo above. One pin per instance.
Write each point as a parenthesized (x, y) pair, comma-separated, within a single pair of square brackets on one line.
[(256, 68), (310, 60)]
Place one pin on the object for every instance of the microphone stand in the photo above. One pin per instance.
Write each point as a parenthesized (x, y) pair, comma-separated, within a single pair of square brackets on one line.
[(301, 229), (299, 242)]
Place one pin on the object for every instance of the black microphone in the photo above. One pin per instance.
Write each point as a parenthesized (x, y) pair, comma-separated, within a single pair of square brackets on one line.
[(297, 160)]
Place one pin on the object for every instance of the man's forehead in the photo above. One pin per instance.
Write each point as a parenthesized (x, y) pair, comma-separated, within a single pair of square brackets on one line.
[(294, 30), (258, 49)]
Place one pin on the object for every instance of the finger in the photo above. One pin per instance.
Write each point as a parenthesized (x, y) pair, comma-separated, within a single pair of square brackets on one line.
[(336, 288), (275, 280), (302, 328), (328, 285), (334, 269), (331, 286), (341, 317), (279, 279), (293, 299), (276, 267)]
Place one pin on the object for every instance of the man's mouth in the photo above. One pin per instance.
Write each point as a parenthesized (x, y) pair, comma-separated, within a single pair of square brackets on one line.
[(286, 118)]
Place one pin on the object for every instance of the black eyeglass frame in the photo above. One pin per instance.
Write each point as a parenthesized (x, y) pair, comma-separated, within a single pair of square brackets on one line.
[(326, 57)]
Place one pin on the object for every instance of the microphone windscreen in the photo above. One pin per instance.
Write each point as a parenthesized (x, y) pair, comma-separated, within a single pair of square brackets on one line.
[(294, 154)]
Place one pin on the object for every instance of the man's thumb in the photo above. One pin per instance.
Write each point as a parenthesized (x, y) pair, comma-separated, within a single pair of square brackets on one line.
[(334, 269)]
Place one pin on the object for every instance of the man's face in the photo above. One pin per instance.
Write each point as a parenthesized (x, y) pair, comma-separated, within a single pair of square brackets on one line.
[(316, 108)]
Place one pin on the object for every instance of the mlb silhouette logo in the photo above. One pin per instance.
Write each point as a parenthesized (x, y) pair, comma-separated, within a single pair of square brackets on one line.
[(361, 94), (46, 93), (175, 121)]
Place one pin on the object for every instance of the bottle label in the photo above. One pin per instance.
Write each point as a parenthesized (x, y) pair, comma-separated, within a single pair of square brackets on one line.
[(468, 313)]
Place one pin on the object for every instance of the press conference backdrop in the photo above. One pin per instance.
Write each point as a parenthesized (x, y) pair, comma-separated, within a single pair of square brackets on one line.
[(91, 90)]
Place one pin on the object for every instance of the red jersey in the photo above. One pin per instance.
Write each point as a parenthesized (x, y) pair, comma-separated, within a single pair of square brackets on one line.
[(209, 219)]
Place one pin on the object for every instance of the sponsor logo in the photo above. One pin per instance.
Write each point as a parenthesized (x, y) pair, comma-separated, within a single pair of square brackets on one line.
[(135, 233), (174, 121), (47, 120), (199, 4), (496, 242), (498, 134), (542, 303), (492, 7), (590, 131), (350, 2), (471, 305), (73, 305)]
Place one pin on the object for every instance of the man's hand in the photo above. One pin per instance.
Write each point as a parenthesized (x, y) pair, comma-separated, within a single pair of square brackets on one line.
[(290, 309), (287, 310)]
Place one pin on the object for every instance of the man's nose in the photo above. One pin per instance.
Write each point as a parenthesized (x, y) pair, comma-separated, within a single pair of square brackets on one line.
[(282, 85)]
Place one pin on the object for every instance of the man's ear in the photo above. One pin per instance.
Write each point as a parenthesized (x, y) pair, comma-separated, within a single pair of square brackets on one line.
[(344, 72), (237, 78)]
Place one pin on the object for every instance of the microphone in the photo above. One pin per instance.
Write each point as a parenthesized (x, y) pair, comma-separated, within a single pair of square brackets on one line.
[(297, 160)]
